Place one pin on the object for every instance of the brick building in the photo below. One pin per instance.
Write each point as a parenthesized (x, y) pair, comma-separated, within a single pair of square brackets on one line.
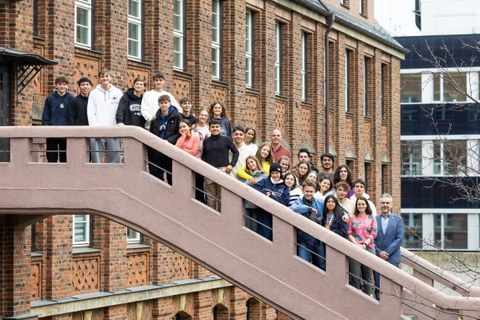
[(263, 59)]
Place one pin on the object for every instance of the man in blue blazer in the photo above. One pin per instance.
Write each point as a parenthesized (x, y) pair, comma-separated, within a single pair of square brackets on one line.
[(389, 236)]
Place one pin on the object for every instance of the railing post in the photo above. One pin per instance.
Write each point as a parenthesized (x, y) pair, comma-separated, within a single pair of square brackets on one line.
[(134, 154), (77, 151), (20, 150)]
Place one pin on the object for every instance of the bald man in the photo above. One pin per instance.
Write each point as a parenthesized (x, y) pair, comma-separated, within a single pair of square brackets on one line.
[(278, 149)]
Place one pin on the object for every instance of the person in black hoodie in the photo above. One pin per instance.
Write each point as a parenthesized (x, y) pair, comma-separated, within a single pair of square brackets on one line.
[(77, 109), (164, 125), (128, 112), (55, 113)]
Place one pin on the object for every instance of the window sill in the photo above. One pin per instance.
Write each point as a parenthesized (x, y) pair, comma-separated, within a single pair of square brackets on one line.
[(85, 250), (137, 246)]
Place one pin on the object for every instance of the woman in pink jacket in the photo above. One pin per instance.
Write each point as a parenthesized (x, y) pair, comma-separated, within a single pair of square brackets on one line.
[(188, 141)]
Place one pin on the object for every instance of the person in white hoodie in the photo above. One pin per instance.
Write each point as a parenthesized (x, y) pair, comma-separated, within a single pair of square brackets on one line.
[(150, 99), (101, 110)]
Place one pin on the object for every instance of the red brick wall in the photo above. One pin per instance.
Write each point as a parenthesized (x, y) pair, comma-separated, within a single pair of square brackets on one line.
[(300, 122)]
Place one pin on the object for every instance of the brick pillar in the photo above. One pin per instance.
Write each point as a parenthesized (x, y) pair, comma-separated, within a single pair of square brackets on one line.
[(203, 305), (394, 167), (162, 309), (59, 273), (110, 38), (199, 59), (337, 84), (114, 247), (318, 92), (264, 68), (294, 81), (238, 304), (234, 17), (60, 39), (15, 268), (116, 312)]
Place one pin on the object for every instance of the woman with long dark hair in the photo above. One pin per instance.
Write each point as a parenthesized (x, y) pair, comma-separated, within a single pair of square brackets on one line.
[(343, 174), (332, 217)]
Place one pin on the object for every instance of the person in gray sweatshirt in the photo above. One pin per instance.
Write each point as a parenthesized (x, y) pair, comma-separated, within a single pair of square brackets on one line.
[(101, 110)]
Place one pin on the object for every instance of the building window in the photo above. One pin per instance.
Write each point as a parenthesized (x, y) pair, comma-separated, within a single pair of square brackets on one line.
[(451, 87), (450, 157), (304, 67), (385, 179), (413, 230), (345, 3), (384, 89), (411, 158), (362, 7), (216, 39), (451, 231), (35, 17), (411, 88), (278, 58), (135, 29), (348, 76), (178, 34), (249, 50), (367, 85), (133, 236), (83, 23), (81, 230)]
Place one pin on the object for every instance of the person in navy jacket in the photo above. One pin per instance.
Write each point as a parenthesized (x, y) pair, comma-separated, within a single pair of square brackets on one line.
[(389, 236), (274, 188), (55, 113)]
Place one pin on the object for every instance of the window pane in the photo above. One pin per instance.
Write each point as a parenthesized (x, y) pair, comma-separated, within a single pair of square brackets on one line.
[(177, 15), (215, 56), (177, 52), (80, 229), (411, 90), (411, 158), (436, 87), (455, 231), (82, 17), (455, 157), (413, 230), (134, 8), (454, 87)]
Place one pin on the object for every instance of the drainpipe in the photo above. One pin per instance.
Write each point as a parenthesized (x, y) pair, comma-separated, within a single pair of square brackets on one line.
[(330, 20)]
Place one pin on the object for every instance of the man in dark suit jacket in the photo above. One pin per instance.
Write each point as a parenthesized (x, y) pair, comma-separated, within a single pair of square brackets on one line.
[(389, 236)]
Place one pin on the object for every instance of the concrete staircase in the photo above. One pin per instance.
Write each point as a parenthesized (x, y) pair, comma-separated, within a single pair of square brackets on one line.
[(220, 241)]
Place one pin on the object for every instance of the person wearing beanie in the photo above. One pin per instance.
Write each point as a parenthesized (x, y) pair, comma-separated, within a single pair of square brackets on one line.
[(274, 188)]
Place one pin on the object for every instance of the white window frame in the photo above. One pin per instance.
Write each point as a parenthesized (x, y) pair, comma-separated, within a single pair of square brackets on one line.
[(361, 4), (428, 226), (179, 35), (249, 49), (87, 6), (304, 66), (133, 236), (138, 22), (82, 225), (216, 45), (278, 58)]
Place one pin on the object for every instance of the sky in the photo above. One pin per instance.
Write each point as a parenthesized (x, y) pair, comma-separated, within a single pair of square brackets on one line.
[(397, 16)]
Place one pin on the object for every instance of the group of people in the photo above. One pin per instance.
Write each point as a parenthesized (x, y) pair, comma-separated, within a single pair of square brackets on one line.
[(327, 195)]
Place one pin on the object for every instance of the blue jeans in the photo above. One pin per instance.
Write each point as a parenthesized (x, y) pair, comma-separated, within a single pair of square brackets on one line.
[(312, 250)]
